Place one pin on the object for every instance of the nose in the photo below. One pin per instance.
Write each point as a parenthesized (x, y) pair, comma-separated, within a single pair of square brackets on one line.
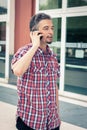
[(50, 31)]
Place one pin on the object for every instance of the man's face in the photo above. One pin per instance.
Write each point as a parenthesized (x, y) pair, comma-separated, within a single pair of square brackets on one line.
[(47, 29)]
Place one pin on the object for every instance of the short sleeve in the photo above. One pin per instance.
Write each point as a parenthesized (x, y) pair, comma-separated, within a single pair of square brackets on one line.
[(20, 53)]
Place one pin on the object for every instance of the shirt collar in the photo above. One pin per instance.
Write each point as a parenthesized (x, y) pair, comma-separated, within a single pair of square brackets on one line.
[(48, 51)]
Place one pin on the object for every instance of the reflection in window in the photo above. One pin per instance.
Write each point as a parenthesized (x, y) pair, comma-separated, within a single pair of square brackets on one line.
[(50, 4), (2, 31), (57, 36), (2, 68), (2, 38), (2, 48), (77, 29), (2, 51), (57, 29), (3, 6), (76, 3), (76, 41), (57, 52)]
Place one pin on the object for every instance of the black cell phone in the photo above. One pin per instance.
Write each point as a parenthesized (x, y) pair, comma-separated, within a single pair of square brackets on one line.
[(38, 33), (40, 36)]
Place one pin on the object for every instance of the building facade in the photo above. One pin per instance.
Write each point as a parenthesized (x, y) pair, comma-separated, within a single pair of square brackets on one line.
[(69, 43), (14, 32)]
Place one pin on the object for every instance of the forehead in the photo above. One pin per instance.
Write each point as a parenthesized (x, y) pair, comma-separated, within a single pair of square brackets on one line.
[(46, 22)]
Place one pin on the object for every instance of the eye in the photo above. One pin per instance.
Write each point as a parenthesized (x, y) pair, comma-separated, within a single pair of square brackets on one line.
[(46, 28), (52, 28)]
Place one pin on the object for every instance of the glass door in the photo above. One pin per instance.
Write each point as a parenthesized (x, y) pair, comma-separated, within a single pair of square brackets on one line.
[(76, 55), (3, 13), (2, 48)]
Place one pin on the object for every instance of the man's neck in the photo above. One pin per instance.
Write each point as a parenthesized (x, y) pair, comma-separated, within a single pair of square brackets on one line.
[(43, 46)]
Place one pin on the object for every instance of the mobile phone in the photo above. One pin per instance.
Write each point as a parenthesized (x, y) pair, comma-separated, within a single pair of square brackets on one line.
[(40, 36), (38, 33)]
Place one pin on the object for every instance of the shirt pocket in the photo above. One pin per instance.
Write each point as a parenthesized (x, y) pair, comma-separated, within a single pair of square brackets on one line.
[(37, 68)]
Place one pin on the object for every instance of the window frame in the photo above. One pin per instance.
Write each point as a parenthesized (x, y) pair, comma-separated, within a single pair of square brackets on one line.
[(9, 18)]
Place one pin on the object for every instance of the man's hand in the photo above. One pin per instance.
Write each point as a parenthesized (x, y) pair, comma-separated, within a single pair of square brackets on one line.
[(35, 38)]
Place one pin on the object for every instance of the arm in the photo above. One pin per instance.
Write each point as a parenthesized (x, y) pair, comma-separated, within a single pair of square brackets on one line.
[(23, 63)]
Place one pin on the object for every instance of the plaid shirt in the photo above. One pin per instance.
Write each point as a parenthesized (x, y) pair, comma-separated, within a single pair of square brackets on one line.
[(37, 90)]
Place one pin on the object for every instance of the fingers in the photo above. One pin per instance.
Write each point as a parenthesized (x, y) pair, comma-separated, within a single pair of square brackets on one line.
[(36, 34), (33, 33), (35, 38)]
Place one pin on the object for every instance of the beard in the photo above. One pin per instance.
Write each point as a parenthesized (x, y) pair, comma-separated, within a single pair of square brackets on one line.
[(49, 42)]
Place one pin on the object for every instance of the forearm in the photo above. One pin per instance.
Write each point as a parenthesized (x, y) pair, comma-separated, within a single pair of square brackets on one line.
[(23, 63)]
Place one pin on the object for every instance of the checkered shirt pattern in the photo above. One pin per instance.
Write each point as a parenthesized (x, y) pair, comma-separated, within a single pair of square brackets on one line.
[(37, 90)]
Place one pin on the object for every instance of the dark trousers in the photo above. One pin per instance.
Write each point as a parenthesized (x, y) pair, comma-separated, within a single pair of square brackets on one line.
[(20, 125), (58, 128)]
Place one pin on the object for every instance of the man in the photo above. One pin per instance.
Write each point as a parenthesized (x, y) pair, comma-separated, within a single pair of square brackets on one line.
[(37, 69)]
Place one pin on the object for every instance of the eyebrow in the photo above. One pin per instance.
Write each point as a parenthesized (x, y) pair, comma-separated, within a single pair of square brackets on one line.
[(47, 27)]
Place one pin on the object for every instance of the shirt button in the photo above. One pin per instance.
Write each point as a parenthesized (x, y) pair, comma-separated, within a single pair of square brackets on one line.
[(46, 74), (48, 92), (47, 83)]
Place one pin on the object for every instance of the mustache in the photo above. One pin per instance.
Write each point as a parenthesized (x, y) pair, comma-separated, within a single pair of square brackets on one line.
[(49, 36), (49, 42)]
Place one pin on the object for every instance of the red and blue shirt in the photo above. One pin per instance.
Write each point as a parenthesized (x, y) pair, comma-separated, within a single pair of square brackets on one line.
[(37, 90)]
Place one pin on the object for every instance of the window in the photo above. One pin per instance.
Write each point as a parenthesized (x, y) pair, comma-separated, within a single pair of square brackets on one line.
[(50, 4), (57, 37), (2, 48), (76, 46), (76, 3), (77, 29), (2, 31), (57, 29), (3, 6)]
